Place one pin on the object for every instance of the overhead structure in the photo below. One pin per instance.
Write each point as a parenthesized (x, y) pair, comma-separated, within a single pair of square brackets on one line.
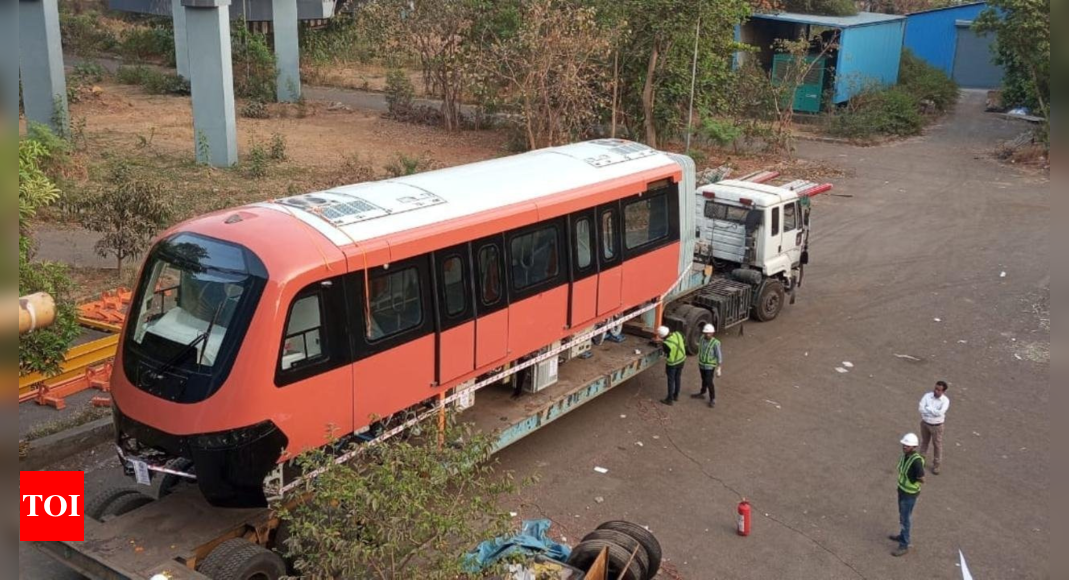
[(44, 86), (211, 79), (287, 52), (181, 51)]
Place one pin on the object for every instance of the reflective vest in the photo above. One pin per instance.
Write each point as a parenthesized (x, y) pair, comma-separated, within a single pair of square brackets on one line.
[(707, 353), (904, 463), (677, 349)]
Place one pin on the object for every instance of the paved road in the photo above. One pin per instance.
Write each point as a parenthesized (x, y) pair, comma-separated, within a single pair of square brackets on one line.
[(910, 265)]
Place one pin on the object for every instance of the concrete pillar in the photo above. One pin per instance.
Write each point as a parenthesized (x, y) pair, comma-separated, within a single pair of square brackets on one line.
[(211, 79), (181, 53), (44, 86), (9, 60), (287, 53)]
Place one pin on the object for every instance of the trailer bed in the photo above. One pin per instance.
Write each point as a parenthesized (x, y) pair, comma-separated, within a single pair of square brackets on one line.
[(169, 534)]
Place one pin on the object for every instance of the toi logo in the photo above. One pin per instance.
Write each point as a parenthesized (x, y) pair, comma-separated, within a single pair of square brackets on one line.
[(51, 506)]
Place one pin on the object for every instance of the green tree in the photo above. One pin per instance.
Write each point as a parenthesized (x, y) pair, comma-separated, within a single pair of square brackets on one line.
[(655, 57), (410, 507), (129, 213), (1022, 48), (42, 350)]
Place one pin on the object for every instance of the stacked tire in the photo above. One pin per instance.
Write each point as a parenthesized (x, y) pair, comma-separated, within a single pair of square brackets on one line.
[(633, 552)]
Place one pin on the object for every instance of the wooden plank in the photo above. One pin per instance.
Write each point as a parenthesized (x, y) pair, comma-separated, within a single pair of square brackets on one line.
[(599, 570)]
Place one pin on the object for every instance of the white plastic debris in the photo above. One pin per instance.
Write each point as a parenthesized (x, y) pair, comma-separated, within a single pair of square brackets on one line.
[(623, 416), (907, 356), (601, 470), (638, 444), (963, 341), (656, 436), (513, 514), (637, 351), (599, 499), (938, 319), (841, 370), (773, 403), (848, 364), (1001, 274)]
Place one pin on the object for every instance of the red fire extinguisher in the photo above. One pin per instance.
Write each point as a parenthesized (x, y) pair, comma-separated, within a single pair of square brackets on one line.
[(744, 518)]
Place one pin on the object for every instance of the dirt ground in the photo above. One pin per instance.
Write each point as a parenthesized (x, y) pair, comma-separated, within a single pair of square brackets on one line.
[(906, 283)]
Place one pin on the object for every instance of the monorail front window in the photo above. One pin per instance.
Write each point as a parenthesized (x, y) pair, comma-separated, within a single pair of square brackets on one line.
[(193, 304)]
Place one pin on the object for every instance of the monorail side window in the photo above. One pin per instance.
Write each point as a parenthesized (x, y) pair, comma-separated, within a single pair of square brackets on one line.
[(453, 285), (583, 242), (608, 236), (395, 303), (534, 257), (646, 221), (304, 333), (489, 275)]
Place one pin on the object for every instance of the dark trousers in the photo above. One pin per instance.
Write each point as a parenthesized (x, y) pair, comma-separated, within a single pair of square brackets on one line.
[(708, 377), (906, 501), (675, 373)]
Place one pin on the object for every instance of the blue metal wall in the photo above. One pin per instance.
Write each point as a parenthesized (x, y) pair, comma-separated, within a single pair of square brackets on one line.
[(868, 56), (932, 35)]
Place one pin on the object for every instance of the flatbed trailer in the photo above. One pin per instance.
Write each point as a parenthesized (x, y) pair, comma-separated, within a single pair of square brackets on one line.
[(172, 534)]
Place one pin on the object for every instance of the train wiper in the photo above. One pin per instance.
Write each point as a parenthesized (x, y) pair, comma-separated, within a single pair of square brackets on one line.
[(159, 373)]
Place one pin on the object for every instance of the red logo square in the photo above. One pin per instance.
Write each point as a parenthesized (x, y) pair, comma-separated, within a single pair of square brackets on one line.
[(52, 506)]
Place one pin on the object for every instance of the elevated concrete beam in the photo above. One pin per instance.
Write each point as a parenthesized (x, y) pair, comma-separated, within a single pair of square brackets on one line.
[(44, 86), (287, 53), (211, 79)]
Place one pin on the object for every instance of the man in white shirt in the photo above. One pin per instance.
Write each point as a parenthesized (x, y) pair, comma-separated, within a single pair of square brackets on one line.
[(933, 408)]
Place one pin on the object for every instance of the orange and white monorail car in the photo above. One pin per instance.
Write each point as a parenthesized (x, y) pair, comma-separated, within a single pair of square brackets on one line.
[(257, 332)]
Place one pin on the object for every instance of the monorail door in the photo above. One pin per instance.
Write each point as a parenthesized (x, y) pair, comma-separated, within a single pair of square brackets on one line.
[(491, 300), (456, 313), (610, 275), (584, 280)]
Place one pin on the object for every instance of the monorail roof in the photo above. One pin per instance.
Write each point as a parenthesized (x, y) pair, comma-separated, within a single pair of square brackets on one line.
[(354, 213)]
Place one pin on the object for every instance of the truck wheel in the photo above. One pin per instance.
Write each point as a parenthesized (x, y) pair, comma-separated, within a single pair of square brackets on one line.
[(769, 302), (626, 542), (240, 559), (644, 537), (694, 318), (586, 552), (96, 506)]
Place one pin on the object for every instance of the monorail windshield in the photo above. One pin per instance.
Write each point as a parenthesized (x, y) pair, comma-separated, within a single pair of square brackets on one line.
[(193, 305)]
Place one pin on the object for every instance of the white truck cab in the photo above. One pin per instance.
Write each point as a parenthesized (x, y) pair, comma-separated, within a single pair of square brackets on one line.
[(752, 226)]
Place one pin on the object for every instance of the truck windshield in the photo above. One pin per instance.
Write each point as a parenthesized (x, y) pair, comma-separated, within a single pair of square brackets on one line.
[(722, 211), (193, 304)]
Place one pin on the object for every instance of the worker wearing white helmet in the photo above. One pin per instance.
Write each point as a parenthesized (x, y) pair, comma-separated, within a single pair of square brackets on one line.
[(710, 359), (910, 477), (674, 347)]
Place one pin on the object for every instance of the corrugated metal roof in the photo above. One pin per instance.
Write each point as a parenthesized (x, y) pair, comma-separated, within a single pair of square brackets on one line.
[(951, 7), (859, 19)]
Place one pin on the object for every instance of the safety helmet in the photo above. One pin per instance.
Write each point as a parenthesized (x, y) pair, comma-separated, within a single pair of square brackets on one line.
[(662, 331), (708, 329), (910, 440)]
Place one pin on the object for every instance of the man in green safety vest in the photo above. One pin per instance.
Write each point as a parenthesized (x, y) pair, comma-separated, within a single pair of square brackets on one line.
[(910, 477), (674, 347), (709, 360)]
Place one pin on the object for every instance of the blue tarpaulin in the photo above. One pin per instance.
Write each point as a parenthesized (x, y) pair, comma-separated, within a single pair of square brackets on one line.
[(532, 539)]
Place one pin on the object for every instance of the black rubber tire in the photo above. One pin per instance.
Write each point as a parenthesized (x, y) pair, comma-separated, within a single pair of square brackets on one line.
[(96, 506), (695, 318), (625, 541), (125, 504), (769, 302), (240, 559), (644, 537), (585, 553)]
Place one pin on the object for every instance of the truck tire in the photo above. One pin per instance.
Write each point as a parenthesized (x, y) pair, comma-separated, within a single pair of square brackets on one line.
[(97, 505), (124, 504), (644, 537), (626, 542), (586, 552), (240, 559), (769, 301), (694, 318)]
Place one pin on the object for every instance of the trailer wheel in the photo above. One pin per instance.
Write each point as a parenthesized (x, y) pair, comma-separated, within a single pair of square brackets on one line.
[(644, 537), (694, 318), (125, 503), (586, 552), (240, 559), (769, 301), (97, 506), (626, 542)]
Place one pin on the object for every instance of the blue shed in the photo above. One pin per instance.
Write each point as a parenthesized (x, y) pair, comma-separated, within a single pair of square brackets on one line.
[(868, 53), (945, 39)]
